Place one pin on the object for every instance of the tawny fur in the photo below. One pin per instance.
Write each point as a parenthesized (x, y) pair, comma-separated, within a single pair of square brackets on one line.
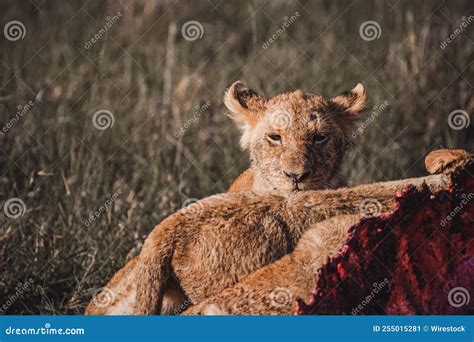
[(244, 182), (234, 235), (445, 160), (301, 121), (273, 289)]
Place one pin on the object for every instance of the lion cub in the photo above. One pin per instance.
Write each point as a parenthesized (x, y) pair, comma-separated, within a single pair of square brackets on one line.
[(296, 140), (188, 258), (234, 235)]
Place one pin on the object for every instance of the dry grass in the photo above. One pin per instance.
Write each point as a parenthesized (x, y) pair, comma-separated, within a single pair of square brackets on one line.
[(152, 79)]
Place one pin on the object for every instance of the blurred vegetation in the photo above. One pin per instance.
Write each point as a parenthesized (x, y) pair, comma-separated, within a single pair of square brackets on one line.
[(152, 80)]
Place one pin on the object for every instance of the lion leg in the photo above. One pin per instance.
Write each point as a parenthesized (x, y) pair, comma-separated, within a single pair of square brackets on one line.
[(118, 297), (442, 160)]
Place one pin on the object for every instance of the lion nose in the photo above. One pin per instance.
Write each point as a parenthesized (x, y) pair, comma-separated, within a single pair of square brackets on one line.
[(297, 176)]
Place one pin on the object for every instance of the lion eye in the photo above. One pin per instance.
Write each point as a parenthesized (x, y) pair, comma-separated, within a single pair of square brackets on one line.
[(274, 137), (318, 138)]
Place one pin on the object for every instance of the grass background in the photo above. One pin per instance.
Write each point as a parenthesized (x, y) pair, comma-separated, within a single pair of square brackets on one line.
[(151, 79)]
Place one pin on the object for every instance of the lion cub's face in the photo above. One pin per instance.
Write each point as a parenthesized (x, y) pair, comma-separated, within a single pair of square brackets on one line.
[(296, 140)]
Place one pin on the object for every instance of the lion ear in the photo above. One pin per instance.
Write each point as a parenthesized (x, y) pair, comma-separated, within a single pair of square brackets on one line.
[(349, 105), (245, 106), (352, 102)]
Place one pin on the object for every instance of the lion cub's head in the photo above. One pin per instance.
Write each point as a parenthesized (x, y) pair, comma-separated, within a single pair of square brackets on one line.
[(296, 140)]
